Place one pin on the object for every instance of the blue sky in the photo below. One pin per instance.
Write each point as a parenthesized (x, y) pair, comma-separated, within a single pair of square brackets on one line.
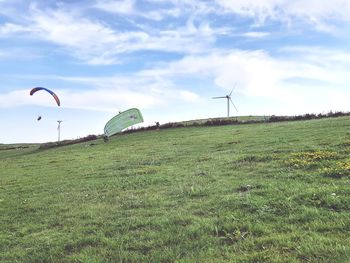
[(167, 58)]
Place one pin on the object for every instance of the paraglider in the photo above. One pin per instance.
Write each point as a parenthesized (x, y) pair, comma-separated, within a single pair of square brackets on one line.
[(49, 91), (121, 121)]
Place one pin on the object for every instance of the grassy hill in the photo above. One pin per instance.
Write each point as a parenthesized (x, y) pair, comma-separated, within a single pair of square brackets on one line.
[(267, 192)]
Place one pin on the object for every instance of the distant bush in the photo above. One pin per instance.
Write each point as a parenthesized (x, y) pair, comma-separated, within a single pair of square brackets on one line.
[(307, 116), (219, 122), (171, 125), (49, 145)]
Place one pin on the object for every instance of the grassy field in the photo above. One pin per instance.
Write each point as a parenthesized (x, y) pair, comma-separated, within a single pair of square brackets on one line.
[(269, 192)]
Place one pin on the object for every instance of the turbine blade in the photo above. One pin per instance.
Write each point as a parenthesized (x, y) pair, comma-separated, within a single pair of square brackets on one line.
[(218, 97), (234, 87), (233, 105), (230, 93)]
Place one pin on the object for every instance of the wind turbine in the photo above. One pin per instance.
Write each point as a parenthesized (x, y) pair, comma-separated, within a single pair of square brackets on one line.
[(228, 97), (59, 129)]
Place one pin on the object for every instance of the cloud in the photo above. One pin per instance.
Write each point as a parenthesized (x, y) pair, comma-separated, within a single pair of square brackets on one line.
[(12, 29), (108, 99), (318, 13), (132, 91), (129, 8), (86, 39), (188, 95), (13, 99), (125, 7), (254, 34), (315, 12), (98, 100), (104, 94), (159, 9), (256, 72), (97, 43), (259, 74)]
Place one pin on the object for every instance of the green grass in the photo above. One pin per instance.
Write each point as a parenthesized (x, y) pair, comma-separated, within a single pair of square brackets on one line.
[(238, 118), (276, 192)]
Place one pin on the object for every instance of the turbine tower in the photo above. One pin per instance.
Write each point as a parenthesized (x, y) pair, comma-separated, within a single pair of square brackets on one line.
[(228, 97), (59, 129)]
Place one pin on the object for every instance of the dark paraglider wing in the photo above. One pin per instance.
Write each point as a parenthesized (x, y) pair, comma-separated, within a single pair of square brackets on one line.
[(49, 91)]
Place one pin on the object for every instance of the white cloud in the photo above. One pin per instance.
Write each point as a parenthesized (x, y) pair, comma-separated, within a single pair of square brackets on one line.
[(126, 7), (105, 94), (96, 43), (316, 12), (160, 9), (10, 28), (260, 10), (98, 100), (319, 14), (258, 74), (188, 95), (129, 8), (108, 99), (14, 98), (254, 34), (85, 38)]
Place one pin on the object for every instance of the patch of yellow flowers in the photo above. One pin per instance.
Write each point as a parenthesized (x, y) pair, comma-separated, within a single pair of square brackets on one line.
[(307, 159), (312, 159), (339, 170)]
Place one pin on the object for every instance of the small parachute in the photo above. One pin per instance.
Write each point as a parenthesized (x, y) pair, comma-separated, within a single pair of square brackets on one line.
[(121, 121), (49, 91)]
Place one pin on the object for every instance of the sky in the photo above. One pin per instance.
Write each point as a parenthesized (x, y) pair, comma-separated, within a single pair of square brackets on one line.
[(167, 58)]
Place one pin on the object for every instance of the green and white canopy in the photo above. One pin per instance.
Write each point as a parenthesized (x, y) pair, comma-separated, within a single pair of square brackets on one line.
[(122, 121)]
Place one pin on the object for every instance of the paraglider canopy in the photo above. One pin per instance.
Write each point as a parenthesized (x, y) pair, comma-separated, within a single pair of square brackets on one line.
[(123, 120), (49, 91)]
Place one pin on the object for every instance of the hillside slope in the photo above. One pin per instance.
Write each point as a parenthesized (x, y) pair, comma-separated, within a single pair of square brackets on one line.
[(262, 192)]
